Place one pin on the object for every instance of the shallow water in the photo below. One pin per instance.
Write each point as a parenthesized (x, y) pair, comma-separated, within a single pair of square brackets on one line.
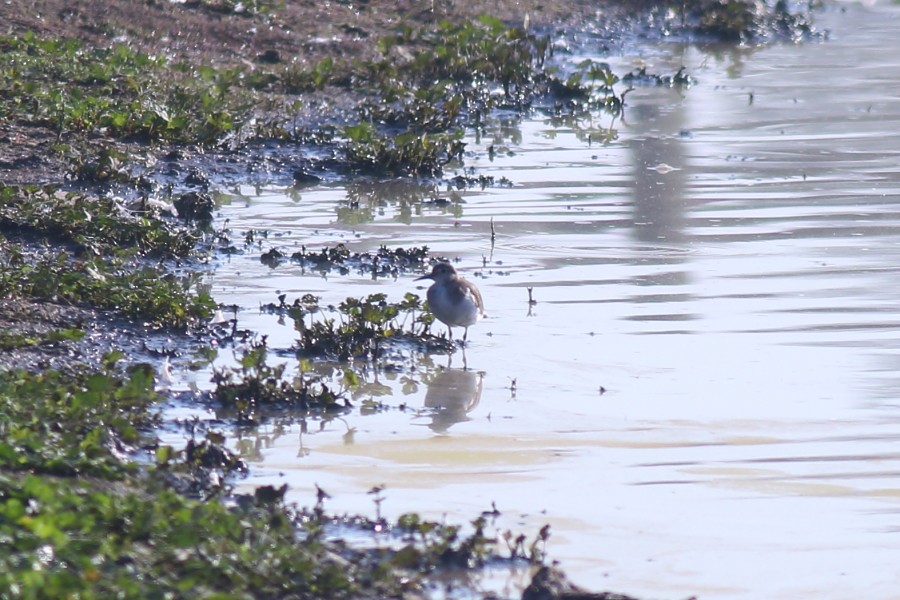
[(704, 398)]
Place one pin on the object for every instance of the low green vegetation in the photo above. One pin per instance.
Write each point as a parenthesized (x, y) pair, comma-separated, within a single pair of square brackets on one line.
[(73, 424), (468, 56), (255, 389), (78, 518), (92, 225), (145, 293), (411, 104), (359, 331), (411, 114), (98, 256), (116, 93), (456, 75), (361, 328), (741, 21), (12, 340), (370, 152)]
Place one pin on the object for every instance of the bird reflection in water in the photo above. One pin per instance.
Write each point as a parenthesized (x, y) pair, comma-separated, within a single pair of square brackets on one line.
[(452, 394)]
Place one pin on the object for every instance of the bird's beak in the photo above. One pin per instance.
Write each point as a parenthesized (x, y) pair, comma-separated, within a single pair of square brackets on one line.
[(423, 277)]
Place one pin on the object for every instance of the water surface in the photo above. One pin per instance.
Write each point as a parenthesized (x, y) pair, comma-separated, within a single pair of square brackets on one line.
[(704, 398)]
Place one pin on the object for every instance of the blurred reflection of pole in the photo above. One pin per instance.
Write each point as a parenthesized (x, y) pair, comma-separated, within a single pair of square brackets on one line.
[(451, 395), (656, 121)]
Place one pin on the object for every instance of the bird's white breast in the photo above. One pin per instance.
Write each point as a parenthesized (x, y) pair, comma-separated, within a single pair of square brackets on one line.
[(454, 305)]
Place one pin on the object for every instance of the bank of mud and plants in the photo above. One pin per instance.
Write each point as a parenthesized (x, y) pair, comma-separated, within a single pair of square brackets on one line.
[(115, 147)]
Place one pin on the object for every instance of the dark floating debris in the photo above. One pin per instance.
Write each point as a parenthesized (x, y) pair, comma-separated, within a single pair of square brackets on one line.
[(195, 207), (642, 77), (272, 258), (384, 262)]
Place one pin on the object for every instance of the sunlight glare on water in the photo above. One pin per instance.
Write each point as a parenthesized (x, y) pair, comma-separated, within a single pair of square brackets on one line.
[(703, 400)]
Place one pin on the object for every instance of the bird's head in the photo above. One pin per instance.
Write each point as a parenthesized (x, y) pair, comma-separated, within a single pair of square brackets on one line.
[(441, 272)]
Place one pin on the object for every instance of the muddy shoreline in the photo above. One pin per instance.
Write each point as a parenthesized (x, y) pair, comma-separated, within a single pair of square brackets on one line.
[(208, 33)]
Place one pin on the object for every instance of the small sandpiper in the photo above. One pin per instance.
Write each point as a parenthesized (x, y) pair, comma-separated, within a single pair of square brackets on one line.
[(453, 300)]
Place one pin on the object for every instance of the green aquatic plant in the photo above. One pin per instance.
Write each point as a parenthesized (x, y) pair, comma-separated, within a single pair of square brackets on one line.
[(80, 517), (145, 293), (140, 539), (325, 72), (11, 340), (116, 93), (455, 68), (431, 545), (384, 262), (429, 84), (473, 55), (641, 77), (75, 423), (746, 21), (422, 91), (95, 225), (411, 152), (329, 258), (256, 387), (360, 328), (101, 258)]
